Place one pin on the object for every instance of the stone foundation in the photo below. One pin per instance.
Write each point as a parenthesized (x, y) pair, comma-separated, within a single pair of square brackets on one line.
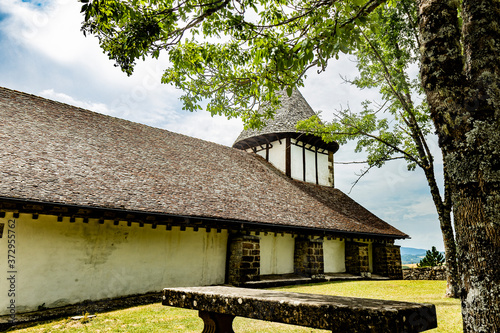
[(244, 259), (308, 257)]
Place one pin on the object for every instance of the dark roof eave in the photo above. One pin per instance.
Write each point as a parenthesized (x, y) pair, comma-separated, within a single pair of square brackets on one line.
[(304, 137), (157, 218)]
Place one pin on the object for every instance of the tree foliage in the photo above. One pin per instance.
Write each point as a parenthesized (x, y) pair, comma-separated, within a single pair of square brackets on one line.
[(399, 127), (432, 258), (236, 53)]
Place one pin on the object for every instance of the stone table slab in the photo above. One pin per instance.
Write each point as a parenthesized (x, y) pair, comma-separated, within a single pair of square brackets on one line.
[(335, 313)]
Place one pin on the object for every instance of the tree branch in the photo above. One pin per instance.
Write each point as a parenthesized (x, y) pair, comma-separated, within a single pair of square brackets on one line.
[(366, 162)]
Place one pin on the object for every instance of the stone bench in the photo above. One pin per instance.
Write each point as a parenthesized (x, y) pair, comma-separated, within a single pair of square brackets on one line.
[(219, 305)]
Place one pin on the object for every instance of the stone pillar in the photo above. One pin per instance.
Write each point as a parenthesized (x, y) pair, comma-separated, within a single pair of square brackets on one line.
[(308, 257), (387, 261), (357, 259), (244, 259)]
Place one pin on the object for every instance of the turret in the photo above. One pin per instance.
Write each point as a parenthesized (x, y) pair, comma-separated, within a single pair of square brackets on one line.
[(301, 156)]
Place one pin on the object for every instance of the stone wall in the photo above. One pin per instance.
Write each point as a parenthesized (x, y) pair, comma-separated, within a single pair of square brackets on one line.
[(308, 257), (425, 273), (356, 258), (387, 261), (244, 259)]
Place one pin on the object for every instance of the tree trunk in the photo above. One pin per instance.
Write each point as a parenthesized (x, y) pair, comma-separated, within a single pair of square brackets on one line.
[(450, 251), (443, 208), (461, 77), (477, 220)]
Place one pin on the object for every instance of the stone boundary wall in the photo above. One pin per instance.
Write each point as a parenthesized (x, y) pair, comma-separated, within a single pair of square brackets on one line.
[(425, 273)]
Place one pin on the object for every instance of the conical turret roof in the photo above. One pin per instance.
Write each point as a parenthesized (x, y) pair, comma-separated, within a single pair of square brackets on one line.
[(293, 109)]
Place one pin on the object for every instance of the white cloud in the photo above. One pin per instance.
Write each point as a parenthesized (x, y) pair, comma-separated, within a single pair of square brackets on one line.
[(48, 27), (328, 92), (202, 125), (419, 207), (63, 98)]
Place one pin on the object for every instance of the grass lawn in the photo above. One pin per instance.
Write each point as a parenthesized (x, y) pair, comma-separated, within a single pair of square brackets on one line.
[(158, 318)]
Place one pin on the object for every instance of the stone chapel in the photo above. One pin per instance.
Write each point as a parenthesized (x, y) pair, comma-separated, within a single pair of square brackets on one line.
[(102, 208)]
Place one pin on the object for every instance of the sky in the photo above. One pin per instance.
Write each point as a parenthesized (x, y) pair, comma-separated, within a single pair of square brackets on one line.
[(43, 52)]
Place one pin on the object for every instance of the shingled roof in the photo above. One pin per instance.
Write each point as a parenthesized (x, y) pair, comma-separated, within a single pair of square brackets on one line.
[(293, 109), (57, 154)]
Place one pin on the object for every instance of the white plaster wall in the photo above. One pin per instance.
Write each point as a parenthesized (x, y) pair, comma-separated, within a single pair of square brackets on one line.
[(323, 172), (276, 254), (261, 153), (277, 155), (60, 263), (311, 167), (297, 165), (334, 255), (296, 162)]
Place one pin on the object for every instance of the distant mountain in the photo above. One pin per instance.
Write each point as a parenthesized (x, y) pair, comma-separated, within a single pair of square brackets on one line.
[(410, 255), (411, 250)]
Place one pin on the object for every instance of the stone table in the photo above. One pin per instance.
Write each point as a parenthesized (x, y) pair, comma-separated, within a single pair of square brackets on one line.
[(218, 305)]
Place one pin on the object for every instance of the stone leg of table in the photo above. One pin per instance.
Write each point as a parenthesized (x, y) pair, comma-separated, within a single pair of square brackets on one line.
[(216, 322)]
